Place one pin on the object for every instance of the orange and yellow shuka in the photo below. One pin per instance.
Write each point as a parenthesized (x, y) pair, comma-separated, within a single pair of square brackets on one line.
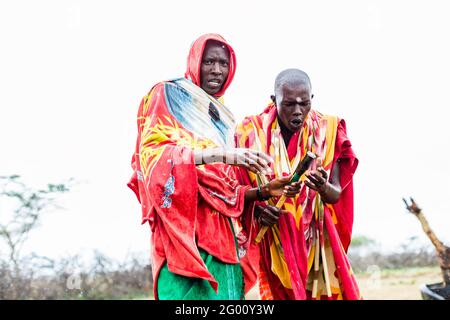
[(304, 256), (189, 207)]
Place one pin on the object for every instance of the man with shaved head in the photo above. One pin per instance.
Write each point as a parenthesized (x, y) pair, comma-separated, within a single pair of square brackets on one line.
[(303, 254)]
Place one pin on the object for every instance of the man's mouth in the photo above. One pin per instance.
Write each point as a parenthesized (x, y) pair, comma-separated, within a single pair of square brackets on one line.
[(296, 123), (214, 83)]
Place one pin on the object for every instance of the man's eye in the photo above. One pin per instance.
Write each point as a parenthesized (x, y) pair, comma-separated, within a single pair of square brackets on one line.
[(207, 62), (224, 64)]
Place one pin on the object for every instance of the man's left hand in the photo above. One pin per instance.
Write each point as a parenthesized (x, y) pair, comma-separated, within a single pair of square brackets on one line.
[(317, 180)]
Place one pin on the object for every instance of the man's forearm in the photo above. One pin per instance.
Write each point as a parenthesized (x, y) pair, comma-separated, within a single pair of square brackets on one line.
[(331, 193), (254, 194), (203, 156)]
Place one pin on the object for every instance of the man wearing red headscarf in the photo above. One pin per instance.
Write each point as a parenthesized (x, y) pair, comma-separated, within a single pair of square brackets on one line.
[(188, 192)]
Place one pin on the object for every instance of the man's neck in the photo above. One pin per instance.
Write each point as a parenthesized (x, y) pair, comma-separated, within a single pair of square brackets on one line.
[(285, 132)]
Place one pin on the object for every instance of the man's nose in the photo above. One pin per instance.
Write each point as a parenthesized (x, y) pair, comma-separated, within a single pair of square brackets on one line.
[(216, 68), (297, 110)]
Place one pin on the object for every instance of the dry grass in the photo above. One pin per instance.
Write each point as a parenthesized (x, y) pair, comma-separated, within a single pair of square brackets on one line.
[(380, 277), (398, 284), (389, 284)]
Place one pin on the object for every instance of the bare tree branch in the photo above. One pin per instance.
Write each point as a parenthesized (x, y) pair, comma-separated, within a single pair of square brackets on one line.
[(442, 250)]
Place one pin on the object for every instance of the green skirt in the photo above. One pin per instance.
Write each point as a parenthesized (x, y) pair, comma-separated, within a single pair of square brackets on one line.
[(172, 286)]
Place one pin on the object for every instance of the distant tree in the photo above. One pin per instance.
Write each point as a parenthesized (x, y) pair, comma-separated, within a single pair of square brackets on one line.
[(29, 206), (361, 241)]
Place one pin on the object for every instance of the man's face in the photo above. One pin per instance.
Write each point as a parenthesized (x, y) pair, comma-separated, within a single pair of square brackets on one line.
[(215, 67), (293, 102)]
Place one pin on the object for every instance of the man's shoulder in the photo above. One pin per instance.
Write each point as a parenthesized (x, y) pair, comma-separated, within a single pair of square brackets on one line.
[(340, 123), (250, 118), (155, 88), (161, 84), (257, 118), (249, 121), (321, 115)]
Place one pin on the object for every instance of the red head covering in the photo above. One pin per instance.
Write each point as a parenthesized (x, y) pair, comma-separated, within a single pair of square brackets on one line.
[(194, 60)]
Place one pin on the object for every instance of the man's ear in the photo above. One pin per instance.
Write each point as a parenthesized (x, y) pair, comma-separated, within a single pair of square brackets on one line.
[(272, 97)]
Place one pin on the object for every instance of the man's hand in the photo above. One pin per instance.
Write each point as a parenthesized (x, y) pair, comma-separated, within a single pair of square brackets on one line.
[(255, 161), (281, 186), (317, 180), (329, 191), (267, 216)]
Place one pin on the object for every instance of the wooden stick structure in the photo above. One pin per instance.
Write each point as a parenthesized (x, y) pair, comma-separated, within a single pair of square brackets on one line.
[(316, 266), (442, 250), (325, 272)]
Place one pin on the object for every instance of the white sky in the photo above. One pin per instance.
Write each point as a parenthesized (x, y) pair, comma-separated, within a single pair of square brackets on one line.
[(72, 74)]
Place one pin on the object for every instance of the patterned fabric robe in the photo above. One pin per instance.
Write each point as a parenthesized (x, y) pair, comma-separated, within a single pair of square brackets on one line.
[(304, 256), (188, 206)]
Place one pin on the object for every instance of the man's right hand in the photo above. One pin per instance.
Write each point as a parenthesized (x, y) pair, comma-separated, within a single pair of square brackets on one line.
[(267, 216), (255, 161), (282, 186)]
